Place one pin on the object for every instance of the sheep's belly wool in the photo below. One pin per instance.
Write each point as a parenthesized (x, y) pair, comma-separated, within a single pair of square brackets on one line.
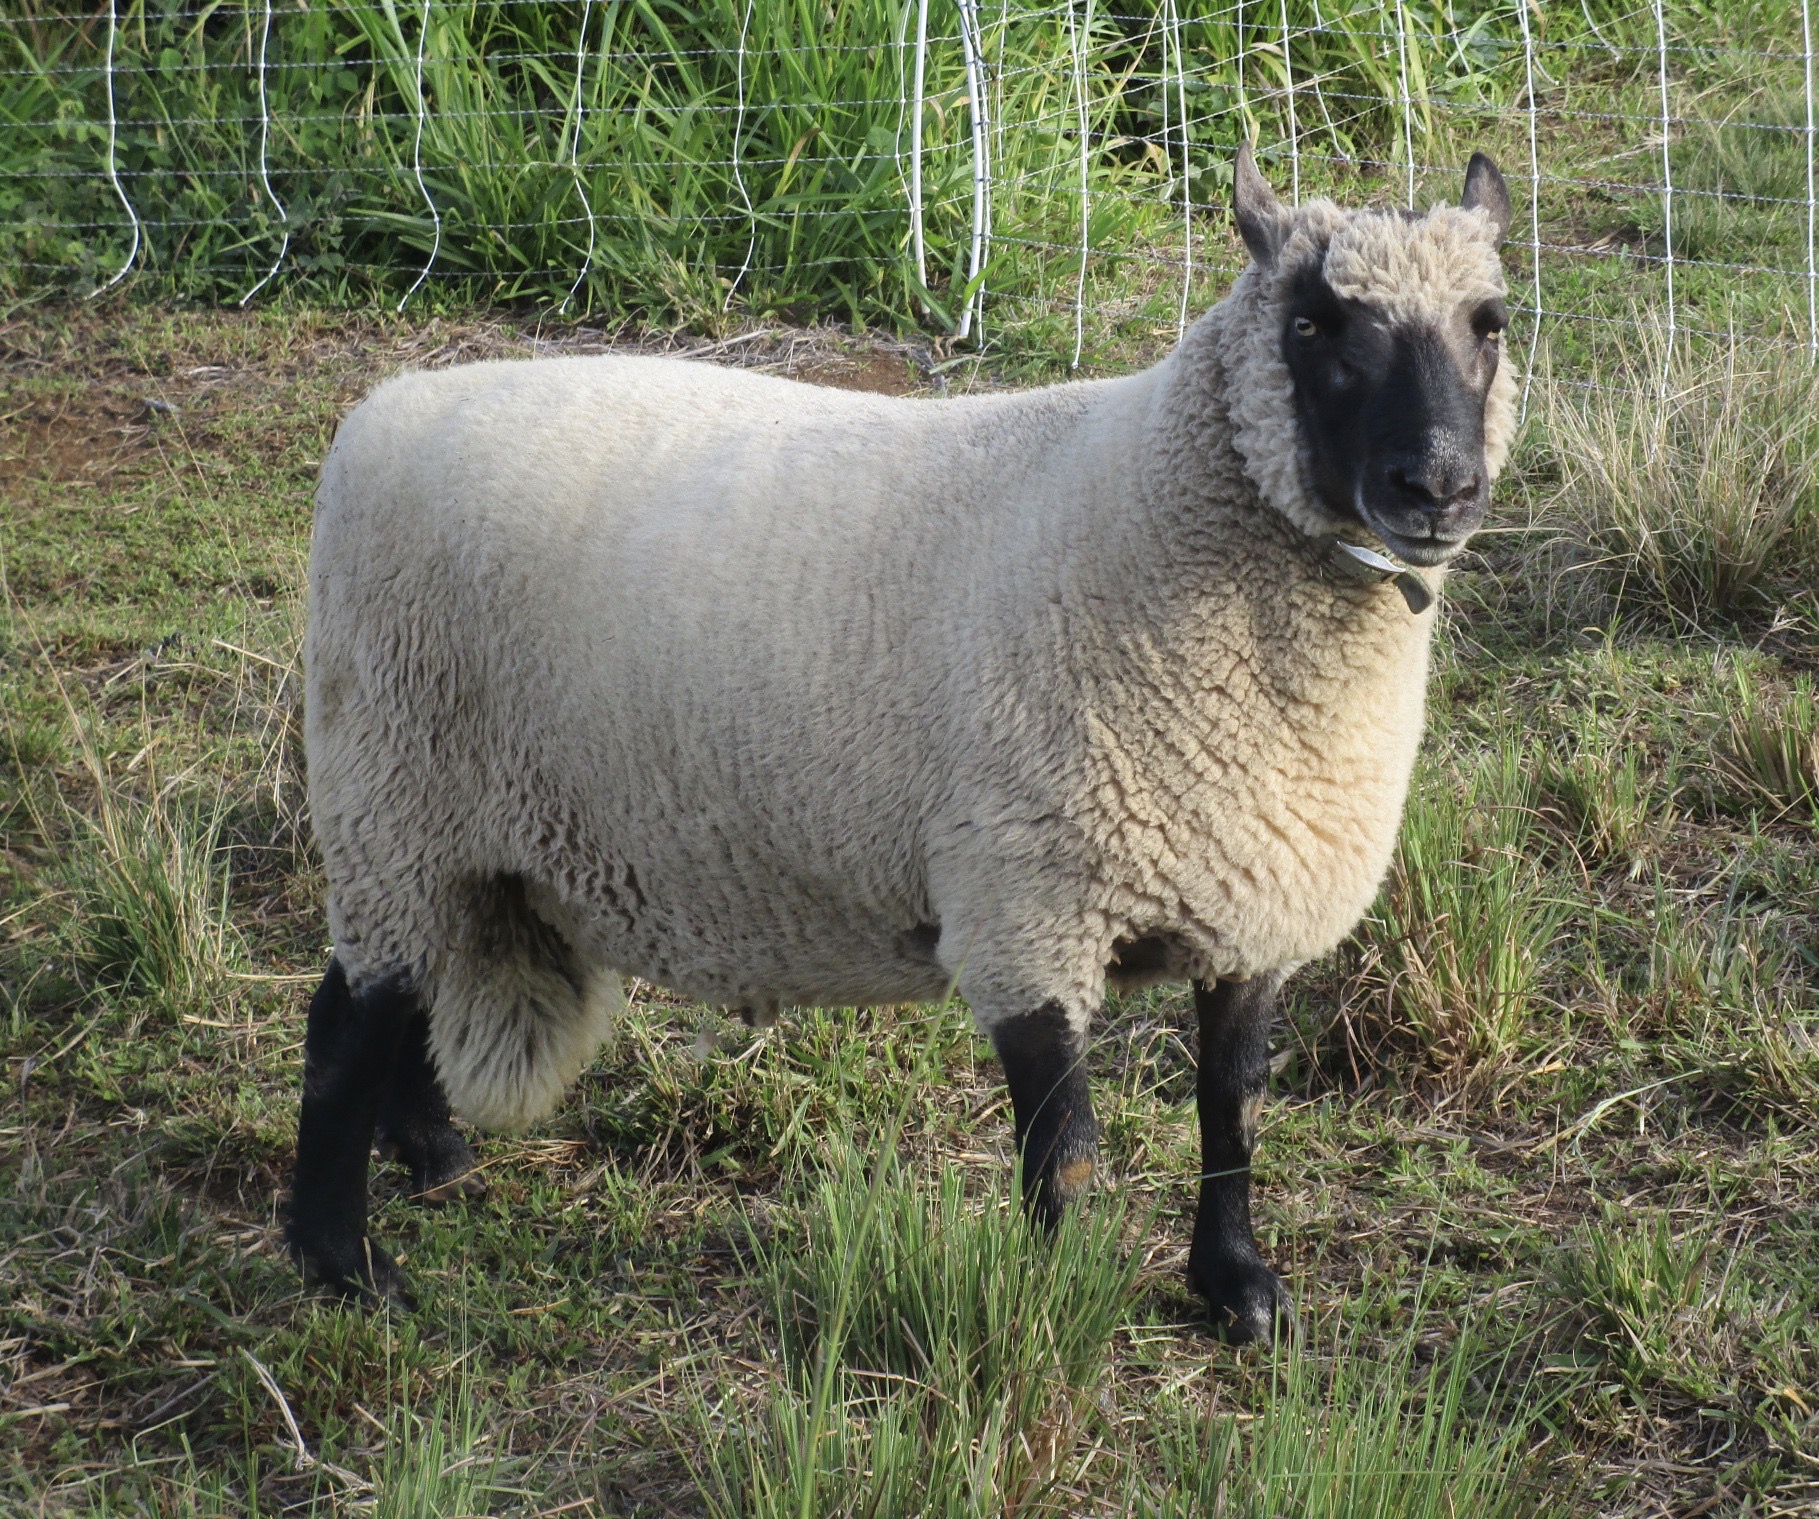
[(771, 693)]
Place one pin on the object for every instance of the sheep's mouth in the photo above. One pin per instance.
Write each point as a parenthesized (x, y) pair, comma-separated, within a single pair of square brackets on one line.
[(1424, 552)]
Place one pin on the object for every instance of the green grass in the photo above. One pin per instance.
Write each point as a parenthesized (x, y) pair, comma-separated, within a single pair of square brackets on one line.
[(1403, 1429), (1774, 743), (621, 189), (1470, 915), (1694, 492), (1539, 1168), (936, 1358)]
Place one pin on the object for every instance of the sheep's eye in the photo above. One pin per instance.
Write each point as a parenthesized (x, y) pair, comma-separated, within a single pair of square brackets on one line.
[(1306, 327)]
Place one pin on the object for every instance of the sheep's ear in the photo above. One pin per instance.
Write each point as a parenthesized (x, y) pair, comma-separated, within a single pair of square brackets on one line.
[(1262, 219), (1486, 191)]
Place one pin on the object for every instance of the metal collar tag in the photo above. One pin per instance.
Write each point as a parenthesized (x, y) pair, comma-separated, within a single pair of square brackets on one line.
[(1368, 564)]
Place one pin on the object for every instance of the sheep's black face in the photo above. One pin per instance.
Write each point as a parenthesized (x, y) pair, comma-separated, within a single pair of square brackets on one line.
[(1391, 409), (1392, 331)]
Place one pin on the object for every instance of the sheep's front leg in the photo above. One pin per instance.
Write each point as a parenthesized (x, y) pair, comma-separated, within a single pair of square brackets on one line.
[(1246, 1299), (349, 1053), (1044, 1058)]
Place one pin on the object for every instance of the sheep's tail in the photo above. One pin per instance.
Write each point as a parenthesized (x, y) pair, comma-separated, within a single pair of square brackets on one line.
[(513, 1018)]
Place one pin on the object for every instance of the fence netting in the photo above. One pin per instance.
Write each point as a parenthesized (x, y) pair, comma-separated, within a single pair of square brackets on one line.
[(1045, 177)]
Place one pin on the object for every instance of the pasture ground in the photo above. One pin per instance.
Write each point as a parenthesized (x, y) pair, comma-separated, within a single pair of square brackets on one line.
[(1542, 1167)]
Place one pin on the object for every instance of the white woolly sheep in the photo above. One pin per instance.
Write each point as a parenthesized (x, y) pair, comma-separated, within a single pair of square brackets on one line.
[(775, 695)]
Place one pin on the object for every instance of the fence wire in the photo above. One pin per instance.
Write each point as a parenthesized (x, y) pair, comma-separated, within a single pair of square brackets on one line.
[(1049, 176)]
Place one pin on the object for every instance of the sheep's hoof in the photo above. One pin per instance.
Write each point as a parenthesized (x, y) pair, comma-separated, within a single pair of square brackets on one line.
[(362, 1272), (442, 1165), (444, 1183), (1246, 1301)]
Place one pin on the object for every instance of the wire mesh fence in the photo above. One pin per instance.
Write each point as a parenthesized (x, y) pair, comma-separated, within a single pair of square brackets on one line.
[(1049, 176)]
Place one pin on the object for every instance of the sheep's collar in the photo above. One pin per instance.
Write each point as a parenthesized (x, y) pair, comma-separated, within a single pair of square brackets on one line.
[(1356, 563)]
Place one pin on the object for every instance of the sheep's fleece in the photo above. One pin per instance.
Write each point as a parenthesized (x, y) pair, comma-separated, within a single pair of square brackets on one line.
[(775, 694)]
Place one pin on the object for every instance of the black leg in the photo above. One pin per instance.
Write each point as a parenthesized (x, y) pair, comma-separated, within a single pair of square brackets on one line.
[(1245, 1296), (1057, 1135), (348, 1055), (414, 1124)]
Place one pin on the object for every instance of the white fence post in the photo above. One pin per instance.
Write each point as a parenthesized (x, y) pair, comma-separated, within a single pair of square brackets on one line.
[(113, 136), (1534, 202), (1667, 185), (751, 213), (982, 168), (265, 177), (574, 154), (417, 160), (1812, 268)]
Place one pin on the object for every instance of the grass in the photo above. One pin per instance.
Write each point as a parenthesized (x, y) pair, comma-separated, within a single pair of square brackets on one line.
[(1410, 1429), (1692, 479), (1469, 916), (1597, 776), (936, 1358), (149, 900), (596, 160), (1539, 1168), (1774, 744)]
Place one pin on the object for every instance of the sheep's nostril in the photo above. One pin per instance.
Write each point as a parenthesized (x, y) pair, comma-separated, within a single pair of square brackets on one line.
[(1418, 491), (1404, 482), (1465, 495)]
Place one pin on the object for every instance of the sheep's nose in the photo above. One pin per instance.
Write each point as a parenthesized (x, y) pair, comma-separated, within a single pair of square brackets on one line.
[(1434, 489)]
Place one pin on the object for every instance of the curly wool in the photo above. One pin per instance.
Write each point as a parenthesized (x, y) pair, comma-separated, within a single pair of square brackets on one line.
[(774, 694)]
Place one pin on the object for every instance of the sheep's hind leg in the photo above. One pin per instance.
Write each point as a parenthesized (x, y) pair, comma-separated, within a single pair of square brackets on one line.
[(1044, 1057), (1245, 1296), (415, 1126), (349, 1053)]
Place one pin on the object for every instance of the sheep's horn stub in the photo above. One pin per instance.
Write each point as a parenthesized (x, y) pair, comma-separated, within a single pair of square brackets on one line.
[(1262, 221), (1485, 191)]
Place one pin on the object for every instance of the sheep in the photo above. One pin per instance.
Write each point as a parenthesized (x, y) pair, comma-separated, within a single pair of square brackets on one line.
[(780, 695)]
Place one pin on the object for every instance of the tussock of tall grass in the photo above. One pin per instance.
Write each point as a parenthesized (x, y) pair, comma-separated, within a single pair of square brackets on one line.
[(1691, 480), (1597, 777), (952, 1286), (1468, 917), (936, 1356), (137, 885), (1774, 744), (437, 1465), (149, 885), (1357, 1430)]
